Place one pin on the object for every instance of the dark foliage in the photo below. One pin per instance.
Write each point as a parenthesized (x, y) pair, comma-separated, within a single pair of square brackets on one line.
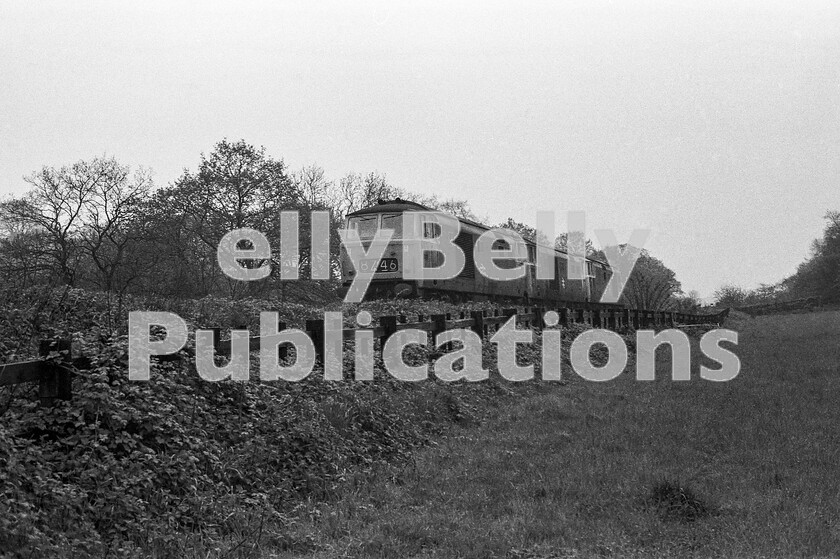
[(135, 466)]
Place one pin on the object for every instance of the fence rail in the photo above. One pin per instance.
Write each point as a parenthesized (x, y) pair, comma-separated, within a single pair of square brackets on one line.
[(54, 374), (780, 307)]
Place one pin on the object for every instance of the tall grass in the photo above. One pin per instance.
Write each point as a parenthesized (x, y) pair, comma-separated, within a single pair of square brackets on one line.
[(746, 468)]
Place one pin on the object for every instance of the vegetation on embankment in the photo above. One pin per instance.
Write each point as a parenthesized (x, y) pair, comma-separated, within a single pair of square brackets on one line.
[(179, 464)]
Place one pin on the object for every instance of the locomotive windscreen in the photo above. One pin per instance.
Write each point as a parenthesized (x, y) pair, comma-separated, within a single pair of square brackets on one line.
[(365, 225)]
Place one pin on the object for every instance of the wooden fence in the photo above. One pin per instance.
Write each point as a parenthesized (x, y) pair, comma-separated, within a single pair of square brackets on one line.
[(780, 307), (54, 375)]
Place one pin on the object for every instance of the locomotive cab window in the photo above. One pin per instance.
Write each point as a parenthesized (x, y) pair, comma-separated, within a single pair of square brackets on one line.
[(393, 221), (366, 226)]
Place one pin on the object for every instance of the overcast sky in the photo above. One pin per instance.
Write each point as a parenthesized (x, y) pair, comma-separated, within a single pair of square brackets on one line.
[(718, 128)]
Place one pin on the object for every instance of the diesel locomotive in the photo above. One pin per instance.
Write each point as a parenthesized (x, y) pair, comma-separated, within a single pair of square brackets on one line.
[(470, 284)]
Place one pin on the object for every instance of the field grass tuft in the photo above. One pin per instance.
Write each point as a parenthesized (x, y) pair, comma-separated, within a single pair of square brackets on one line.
[(675, 501)]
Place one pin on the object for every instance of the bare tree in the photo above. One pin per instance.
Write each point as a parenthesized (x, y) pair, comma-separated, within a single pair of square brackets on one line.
[(114, 227), (356, 191), (314, 187), (57, 206), (23, 260)]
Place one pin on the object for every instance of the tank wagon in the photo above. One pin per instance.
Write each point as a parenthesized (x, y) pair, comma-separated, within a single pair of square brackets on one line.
[(470, 284)]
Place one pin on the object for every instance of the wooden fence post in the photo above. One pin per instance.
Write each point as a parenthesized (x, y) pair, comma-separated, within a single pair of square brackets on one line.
[(438, 326), (389, 327), (315, 329), (478, 323), (508, 313), (539, 320), (283, 349), (56, 381)]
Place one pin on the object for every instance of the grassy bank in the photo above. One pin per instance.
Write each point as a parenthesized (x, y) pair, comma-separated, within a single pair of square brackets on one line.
[(740, 469)]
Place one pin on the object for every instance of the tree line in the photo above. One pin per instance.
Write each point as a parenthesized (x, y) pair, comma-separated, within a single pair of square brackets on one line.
[(818, 276), (98, 225)]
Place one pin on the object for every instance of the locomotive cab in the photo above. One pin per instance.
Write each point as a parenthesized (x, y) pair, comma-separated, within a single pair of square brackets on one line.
[(388, 271)]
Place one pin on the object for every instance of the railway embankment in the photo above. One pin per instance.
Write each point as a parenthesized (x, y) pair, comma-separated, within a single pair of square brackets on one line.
[(179, 465)]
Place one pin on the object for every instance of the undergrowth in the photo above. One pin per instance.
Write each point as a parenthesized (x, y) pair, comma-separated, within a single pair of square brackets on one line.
[(148, 467)]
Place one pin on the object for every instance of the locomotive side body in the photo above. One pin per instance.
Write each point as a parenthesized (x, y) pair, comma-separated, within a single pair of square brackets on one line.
[(470, 283)]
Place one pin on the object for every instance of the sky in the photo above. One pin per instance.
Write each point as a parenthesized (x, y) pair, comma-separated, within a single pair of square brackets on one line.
[(716, 126)]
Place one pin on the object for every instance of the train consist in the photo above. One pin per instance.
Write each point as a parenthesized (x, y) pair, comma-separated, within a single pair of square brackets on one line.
[(470, 284)]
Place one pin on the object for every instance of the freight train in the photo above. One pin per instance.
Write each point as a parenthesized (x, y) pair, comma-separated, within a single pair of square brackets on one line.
[(470, 284)]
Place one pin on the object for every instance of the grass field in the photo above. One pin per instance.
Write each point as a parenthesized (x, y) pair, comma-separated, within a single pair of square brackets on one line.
[(748, 468)]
